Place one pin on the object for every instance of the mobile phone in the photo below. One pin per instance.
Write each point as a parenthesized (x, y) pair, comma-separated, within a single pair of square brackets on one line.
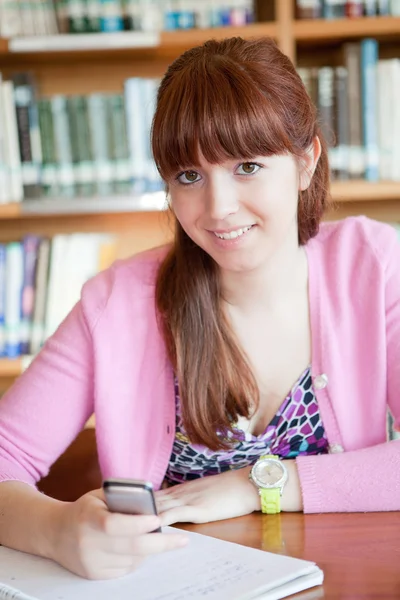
[(130, 496)]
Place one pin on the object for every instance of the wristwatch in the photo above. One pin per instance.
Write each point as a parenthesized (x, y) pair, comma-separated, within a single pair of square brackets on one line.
[(269, 475)]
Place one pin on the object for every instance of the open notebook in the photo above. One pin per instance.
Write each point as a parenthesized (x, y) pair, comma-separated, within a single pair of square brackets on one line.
[(206, 568)]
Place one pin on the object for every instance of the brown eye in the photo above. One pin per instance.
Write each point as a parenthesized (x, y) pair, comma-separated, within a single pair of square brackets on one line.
[(190, 176), (248, 168)]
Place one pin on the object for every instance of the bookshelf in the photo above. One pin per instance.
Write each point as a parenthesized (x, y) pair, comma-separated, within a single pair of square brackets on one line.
[(86, 63), (321, 31)]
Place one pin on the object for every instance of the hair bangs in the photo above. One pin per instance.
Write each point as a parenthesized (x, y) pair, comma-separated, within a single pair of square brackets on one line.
[(217, 111)]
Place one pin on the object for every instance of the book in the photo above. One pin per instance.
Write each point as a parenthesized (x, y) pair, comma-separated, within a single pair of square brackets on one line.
[(206, 567), (369, 83), (307, 9)]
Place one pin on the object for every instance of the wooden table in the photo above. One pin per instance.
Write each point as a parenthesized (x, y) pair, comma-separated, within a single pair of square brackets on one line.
[(359, 553)]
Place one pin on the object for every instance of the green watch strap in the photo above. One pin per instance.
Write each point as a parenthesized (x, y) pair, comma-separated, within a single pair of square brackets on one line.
[(270, 501), (270, 498)]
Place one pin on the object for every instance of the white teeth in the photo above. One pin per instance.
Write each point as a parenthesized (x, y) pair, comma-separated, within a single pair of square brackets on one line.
[(232, 234)]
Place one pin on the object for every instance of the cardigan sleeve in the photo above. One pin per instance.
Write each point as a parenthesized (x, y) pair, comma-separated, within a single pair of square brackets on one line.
[(41, 414), (364, 480)]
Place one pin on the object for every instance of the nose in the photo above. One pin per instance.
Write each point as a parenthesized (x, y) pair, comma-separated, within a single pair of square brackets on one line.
[(223, 198)]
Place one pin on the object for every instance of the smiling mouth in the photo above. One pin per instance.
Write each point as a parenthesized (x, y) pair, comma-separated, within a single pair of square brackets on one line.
[(232, 234)]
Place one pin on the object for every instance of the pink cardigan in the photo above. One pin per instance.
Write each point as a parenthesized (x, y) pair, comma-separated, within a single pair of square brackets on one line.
[(108, 357)]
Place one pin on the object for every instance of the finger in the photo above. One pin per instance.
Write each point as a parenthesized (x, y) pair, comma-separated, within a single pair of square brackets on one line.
[(116, 524), (183, 514), (167, 502), (111, 572), (146, 545)]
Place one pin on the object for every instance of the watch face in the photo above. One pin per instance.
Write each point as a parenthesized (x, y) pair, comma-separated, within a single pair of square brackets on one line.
[(269, 473)]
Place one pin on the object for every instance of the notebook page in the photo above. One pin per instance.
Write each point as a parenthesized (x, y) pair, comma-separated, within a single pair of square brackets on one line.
[(207, 567)]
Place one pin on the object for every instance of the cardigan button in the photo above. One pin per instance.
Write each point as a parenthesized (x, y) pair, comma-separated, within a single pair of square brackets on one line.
[(320, 381)]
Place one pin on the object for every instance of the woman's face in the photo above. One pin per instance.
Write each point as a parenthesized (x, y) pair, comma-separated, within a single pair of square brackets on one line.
[(239, 212)]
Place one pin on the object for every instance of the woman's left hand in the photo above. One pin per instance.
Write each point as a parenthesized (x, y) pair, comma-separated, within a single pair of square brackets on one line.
[(211, 498), (216, 497)]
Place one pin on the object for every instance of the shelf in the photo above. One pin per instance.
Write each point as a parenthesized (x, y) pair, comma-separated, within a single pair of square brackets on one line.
[(84, 42), (361, 191), (3, 46), (309, 31), (342, 191), (83, 206), (10, 211), (98, 44), (11, 367)]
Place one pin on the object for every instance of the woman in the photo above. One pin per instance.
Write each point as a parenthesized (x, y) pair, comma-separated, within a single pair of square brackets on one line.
[(259, 332)]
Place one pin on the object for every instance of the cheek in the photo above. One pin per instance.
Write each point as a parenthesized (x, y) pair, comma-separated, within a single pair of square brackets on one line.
[(186, 212)]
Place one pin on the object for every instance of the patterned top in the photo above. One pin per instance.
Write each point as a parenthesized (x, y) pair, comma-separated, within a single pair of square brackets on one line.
[(296, 429)]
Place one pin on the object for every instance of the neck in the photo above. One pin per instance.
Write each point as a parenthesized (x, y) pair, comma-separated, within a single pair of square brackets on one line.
[(270, 286)]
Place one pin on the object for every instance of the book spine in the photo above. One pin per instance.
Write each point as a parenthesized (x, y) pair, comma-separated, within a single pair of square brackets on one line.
[(325, 107), (50, 18), (12, 153), (76, 11), (61, 9), (202, 15), (119, 151), (10, 19), (49, 164), (342, 122), (395, 124), (28, 133), (27, 18), (369, 61), (5, 195), (309, 9), (100, 142), (238, 15), (370, 8), (80, 144), (354, 8), (393, 432), (39, 17), (148, 91), (384, 7), (111, 16), (14, 282), (385, 118), (352, 53), (40, 302), (334, 9), (395, 8), (65, 171), (93, 16), (2, 299), (136, 131), (30, 245)]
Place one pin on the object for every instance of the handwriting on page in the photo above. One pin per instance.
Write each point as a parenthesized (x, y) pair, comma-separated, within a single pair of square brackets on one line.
[(209, 581)]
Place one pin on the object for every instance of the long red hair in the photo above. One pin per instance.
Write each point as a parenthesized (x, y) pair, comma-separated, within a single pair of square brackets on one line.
[(227, 99)]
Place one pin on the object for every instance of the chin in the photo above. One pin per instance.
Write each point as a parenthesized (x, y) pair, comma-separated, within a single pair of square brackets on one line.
[(239, 265)]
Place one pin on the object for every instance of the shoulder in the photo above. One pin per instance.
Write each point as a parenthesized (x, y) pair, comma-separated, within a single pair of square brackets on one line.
[(349, 237), (129, 280)]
